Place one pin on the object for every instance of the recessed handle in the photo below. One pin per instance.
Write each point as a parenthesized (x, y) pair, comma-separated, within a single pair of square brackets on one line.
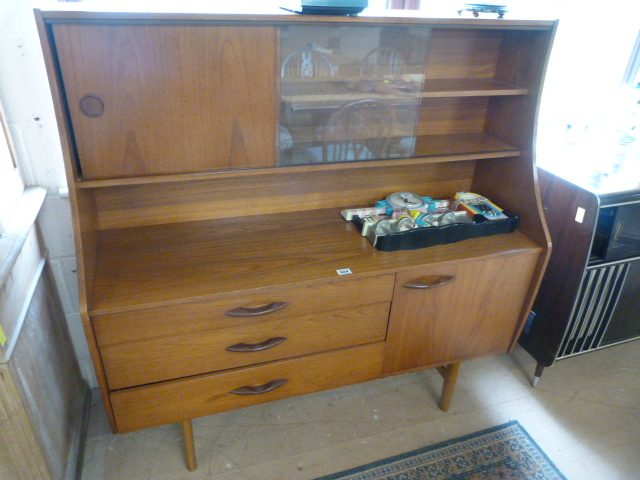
[(254, 312), (256, 347), (92, 105), (267, 387), (430, 281)]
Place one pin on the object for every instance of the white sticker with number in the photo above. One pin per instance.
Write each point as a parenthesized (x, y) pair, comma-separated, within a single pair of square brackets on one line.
[(344, 271)]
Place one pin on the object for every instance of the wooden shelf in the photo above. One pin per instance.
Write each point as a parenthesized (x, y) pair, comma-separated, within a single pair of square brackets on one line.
[(436, 148), (309, 135), (429, 149), (143, 267), (480, 144), (321, 95), (469, 87)]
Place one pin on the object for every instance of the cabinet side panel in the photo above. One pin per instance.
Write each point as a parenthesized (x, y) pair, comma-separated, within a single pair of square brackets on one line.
[(83, 208), (48, 377), (563, 277), (20, 455), (169, 99)]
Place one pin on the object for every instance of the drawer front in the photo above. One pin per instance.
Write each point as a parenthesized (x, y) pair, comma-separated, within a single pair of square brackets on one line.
[(155, 360), (177, 400), (197, 317)]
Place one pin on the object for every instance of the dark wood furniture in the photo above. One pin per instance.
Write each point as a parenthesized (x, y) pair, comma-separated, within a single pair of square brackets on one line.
[(588, 299), (210, 265)]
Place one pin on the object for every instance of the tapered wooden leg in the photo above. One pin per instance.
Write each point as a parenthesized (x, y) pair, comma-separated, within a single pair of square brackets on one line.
[(189, 444), (450, 375)]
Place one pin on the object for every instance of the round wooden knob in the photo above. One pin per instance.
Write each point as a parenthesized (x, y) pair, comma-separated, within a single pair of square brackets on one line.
[(91, 105)]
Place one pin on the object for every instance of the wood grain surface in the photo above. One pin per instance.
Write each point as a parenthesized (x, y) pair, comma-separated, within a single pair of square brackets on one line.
[(571, 250), (138, 363), (474, 315), (193, 397), (288, 191), (176, 98), (168, 264)]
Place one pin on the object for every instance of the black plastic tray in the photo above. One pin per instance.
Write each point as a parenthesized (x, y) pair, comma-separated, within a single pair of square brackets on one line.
[(452, 233)]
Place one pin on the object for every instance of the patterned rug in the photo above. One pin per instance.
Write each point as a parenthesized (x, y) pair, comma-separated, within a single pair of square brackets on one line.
[(505, 452)]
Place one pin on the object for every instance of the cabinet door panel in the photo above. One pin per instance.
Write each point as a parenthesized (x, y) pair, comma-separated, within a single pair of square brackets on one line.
[(174, 98), (475, 314)]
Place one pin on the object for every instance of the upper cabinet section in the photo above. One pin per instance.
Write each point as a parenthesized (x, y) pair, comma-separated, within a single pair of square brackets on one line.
[(164, 95), (161, 99)]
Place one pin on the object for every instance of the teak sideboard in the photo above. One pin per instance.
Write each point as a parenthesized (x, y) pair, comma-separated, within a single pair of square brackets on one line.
[(215, 269)]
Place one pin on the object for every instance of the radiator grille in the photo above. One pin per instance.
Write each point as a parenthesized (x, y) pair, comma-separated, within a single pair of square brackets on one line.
[(598, 295)]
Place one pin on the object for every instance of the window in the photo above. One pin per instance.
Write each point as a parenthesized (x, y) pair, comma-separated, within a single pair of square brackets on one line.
[(630, 94), (587, 111)]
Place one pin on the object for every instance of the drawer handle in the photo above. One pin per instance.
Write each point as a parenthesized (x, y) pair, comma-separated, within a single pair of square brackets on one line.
[(267, 387), (254, 312), (256, 347), (431, 281)]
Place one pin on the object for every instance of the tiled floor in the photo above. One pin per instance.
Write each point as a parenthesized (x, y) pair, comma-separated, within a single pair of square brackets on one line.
[(585, 414)]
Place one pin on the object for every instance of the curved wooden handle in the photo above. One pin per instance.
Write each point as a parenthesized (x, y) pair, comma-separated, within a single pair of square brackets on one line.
[(267, 387), (430, 281), (256, 347), (254, 312)]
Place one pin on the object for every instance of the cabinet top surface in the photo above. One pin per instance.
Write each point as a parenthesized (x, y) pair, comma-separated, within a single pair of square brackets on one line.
[(267, 13), (182, 262)]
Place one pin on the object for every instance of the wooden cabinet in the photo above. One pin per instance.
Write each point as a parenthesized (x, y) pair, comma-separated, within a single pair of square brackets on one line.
[(207, 207)]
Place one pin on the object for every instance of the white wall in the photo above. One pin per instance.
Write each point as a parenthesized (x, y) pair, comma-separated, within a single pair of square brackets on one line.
[(25, 94)]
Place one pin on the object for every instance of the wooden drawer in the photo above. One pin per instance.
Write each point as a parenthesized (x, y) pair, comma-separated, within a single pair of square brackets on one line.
[(177, 400), (161, 359), (161, 344), (186, 318)]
